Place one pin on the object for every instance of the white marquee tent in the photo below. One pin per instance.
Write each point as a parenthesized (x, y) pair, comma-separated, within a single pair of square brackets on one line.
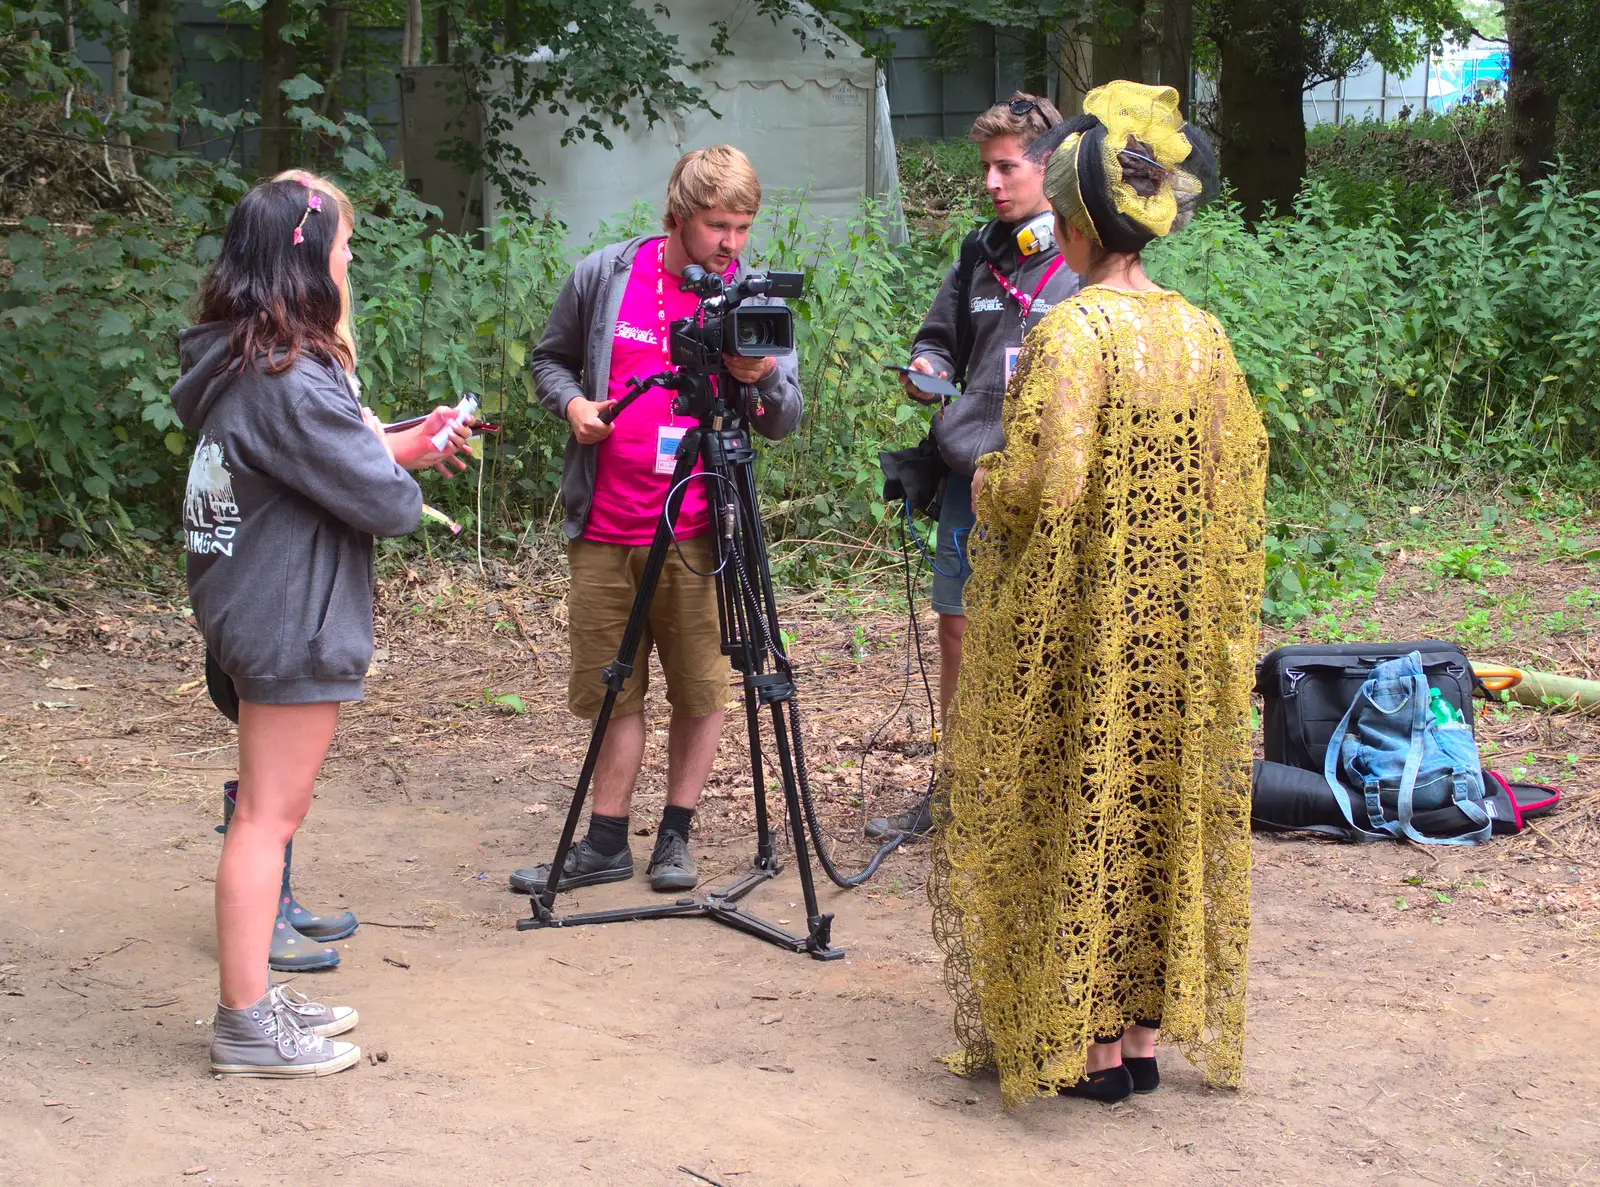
[(809, 122)]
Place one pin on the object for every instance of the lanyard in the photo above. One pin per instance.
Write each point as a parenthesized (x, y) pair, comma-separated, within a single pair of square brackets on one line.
[(1022, 299), (661, 305), (661, 321)]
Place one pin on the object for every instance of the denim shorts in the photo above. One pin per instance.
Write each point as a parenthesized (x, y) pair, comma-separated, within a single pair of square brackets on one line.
[(950, 567)]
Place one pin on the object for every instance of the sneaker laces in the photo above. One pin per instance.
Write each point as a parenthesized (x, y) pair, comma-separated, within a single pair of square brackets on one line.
[(671, 850), (301, 1005), (284, 1026)]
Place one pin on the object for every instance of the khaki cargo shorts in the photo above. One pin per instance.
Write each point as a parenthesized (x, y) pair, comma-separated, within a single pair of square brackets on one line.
[(682, 625)]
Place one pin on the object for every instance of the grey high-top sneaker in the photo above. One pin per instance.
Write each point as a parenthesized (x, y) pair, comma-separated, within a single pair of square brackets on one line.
[(268, 1039), (319, 1019)]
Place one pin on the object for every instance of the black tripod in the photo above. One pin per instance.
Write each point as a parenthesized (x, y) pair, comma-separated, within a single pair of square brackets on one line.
[(748, 618)]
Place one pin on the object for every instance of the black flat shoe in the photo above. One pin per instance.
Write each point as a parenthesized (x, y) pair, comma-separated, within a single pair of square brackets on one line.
[(1146, 1075), (1107, 1086)]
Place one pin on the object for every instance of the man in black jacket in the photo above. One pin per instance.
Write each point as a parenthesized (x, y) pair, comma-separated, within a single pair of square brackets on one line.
[(1008, 276)]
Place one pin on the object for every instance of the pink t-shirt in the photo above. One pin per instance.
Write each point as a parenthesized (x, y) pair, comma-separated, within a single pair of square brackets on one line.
[(631, 485)]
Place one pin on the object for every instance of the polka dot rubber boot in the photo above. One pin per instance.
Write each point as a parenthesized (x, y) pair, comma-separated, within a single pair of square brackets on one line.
[(322, 926), (292, 952)]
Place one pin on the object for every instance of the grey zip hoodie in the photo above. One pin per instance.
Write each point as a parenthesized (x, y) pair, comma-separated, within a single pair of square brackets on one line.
[(574, 359), (970, 427), (286, 491)]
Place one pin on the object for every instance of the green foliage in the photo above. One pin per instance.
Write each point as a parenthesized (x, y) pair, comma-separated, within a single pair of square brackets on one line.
[(1381, 361), (1328, 38), (941, 181), (1308, 567), (1409, 167), (1469, 562)]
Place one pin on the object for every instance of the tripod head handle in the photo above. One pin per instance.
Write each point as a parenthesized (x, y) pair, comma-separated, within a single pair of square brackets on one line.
[(637, 388)]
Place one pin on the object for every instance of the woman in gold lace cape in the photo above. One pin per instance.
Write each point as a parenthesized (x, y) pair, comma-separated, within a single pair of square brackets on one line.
[(1092, 871)]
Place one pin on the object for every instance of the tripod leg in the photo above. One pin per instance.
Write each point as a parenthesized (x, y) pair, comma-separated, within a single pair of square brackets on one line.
[(742, 651), (761, 607), (766, 856), (617, 673), (819, 925), (544, 902)]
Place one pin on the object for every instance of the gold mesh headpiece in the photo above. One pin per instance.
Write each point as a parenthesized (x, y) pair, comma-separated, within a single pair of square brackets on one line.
[(1084, 179), (1063, 188), (1150, 114)]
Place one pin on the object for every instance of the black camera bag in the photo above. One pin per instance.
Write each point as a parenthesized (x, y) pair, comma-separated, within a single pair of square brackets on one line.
[(1306, 689)]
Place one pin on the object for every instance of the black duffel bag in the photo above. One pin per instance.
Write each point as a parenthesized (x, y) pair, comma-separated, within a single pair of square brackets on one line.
[(1306, 689), (1286, 799)]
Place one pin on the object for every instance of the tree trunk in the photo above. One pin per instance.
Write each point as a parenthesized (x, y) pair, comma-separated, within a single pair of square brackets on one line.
[(277, 67), (150, 72), (511, 18), (65, 35), (119, 88), (1036, 62), (441, 36), (1177, 50), (1075, 77), (1261, 87), (1122, 58), (328, 105), (1529, 101), (411, 38)]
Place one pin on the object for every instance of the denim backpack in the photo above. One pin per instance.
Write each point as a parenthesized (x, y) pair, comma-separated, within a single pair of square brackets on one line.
[(1397, 761)]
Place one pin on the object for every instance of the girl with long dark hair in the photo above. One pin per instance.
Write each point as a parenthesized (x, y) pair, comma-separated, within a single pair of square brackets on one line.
[(291, 480)]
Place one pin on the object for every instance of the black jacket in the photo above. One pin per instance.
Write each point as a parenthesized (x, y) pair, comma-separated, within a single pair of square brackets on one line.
[(970, 427)]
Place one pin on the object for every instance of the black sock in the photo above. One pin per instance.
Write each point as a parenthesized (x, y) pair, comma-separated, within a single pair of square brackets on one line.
[(608, 834), (676, 820)]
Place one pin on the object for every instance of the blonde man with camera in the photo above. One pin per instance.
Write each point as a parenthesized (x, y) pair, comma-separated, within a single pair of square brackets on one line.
[(609, 326)]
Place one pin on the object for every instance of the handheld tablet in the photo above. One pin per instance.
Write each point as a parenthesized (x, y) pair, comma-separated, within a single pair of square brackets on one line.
[(929, 385)]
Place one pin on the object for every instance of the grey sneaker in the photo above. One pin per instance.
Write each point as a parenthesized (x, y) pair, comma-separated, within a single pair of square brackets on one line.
[(914, 825), (268, 1040), (585, 866), (319, 1019), (671, 867)]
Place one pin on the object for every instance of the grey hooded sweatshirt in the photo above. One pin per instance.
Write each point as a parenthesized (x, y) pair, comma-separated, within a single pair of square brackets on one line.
[(286, 491)]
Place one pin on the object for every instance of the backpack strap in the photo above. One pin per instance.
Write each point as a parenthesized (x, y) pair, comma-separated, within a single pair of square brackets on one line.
[(1343, 747), (1374, 825), (966, 265)]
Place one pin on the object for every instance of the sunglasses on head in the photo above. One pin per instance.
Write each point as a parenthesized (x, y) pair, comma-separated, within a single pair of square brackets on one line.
[(1021, 107)]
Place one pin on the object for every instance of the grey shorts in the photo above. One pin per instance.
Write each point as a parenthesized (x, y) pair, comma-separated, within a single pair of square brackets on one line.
[(950, 567)]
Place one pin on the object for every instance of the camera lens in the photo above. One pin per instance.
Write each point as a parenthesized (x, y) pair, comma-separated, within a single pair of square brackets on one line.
[(755, 333)]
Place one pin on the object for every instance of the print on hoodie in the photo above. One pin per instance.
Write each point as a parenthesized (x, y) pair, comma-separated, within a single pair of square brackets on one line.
[(210, 513)]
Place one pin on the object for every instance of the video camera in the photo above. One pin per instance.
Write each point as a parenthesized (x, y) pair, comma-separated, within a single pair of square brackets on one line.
[(723, 324)]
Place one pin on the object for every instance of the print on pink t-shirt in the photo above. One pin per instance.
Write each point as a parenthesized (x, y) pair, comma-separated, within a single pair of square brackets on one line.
[(628, 493)]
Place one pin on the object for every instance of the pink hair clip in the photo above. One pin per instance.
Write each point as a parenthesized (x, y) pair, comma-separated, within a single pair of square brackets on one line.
[(312, 203)]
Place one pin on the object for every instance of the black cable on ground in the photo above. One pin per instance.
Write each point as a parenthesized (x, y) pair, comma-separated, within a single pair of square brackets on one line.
[(802, 774)]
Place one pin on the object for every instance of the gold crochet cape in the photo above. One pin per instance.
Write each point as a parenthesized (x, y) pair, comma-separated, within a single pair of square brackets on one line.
[(1093, 864)]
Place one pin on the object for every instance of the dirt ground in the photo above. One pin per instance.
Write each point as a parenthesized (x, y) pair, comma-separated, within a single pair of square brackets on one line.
[(1417, 1016)]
